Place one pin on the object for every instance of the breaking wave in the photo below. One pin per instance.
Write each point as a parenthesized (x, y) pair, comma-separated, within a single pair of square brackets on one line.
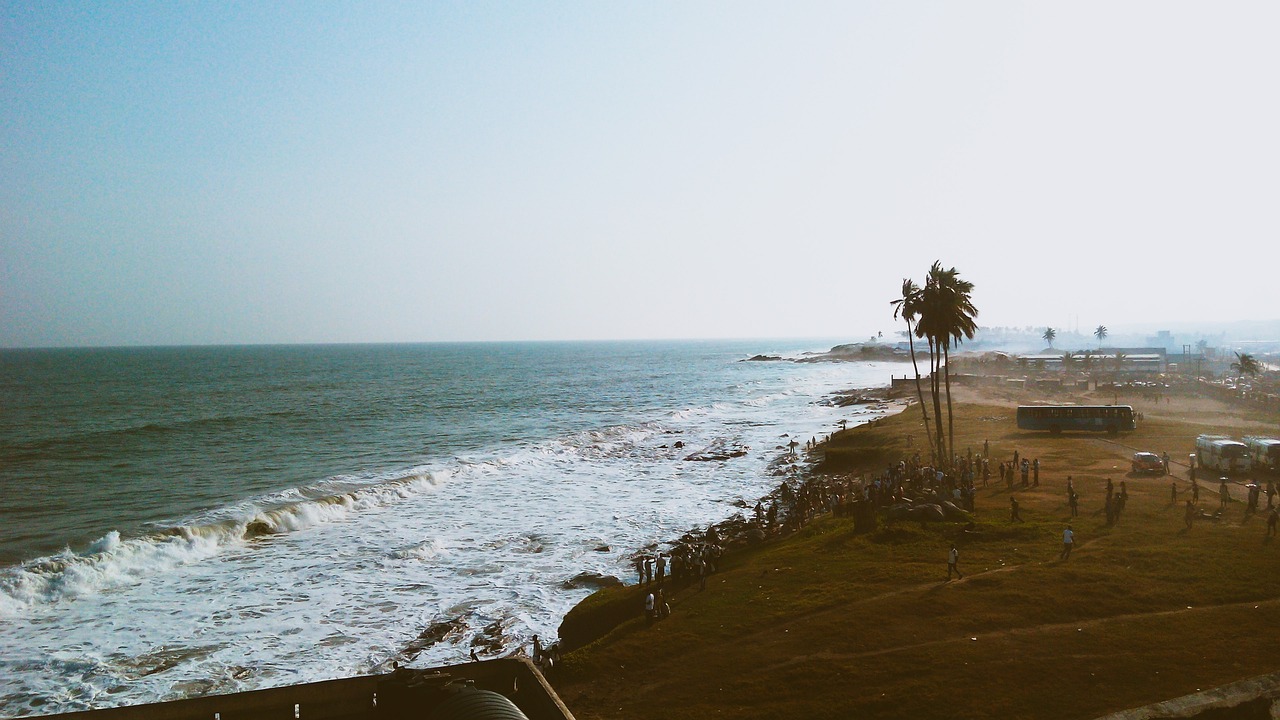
[(113, 561)]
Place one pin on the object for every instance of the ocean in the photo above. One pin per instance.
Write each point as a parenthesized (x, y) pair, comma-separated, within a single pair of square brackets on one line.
[(185, 521)]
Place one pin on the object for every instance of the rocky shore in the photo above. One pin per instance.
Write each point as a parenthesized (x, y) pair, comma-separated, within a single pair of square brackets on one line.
[(600, 612), (854, 352)]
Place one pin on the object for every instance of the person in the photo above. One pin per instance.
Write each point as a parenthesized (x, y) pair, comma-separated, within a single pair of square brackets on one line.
[(1224, 496), (648, 569), (537, 649), (1026, 472), (1195, 487), (1014, 515), (1190, 515), (1068, 538), (1073, 500), (648, 608), (660, 606), (953, 557), (1035, 468), (1173, 493), (662, 568), (474, 657), (1165, 458), (1272, 519)]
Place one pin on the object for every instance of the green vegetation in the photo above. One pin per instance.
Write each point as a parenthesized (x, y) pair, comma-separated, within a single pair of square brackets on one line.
[(944, 313), (908, 307), (1245, 364)]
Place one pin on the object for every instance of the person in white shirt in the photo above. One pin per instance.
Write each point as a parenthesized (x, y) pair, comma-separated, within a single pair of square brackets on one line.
[(1068, 539), (953, 557)]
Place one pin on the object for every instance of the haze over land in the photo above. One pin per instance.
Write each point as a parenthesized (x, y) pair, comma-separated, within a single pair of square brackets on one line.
[(364, 173)]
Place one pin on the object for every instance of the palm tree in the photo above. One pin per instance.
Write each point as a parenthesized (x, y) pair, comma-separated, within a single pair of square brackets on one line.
[(908, 308), (1100, 333), (1119, 361), (1068, 361), (1049, 335), (947, 315), (1245, 364)]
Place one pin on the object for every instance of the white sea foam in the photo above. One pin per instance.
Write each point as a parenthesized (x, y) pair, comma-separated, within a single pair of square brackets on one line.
[(337, 577), (111, 562)]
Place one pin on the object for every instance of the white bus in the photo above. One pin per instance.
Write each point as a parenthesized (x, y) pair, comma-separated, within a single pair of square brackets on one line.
[(1264, 452), (1221, 453)]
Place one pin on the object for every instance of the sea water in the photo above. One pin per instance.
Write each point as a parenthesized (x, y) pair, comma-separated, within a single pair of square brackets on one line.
[(184, 521)]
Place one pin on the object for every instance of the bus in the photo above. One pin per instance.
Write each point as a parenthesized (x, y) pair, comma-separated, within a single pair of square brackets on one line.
[(1089, 418), (1264, 452), (1221, 453)]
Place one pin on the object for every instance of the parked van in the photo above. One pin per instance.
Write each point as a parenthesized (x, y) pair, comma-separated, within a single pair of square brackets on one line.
[(1221, 453), (1264, 452)]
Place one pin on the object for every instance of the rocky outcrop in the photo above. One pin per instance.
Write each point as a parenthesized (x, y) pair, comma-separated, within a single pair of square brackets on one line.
[(590, 579), (719, 450)]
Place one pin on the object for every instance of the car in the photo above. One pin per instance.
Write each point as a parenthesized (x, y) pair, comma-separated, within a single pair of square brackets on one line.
[(1145, 462)]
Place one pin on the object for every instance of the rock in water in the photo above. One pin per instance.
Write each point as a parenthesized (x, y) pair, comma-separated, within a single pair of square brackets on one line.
[(590, 579)]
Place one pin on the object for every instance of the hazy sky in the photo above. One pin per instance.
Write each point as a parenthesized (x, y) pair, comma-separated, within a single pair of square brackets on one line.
[(176, 173)]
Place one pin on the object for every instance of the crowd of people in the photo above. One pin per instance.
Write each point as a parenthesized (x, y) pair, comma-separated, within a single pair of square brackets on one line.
[(910, 482)]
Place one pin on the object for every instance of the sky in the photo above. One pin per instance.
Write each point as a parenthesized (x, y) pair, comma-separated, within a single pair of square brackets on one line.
[(294, 172)]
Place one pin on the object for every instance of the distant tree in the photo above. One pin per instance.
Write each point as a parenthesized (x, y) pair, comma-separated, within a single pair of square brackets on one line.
[(1049, 335), (1068, 361), (1100, 333), (1202, 345), (1119, 361), (1245, 364)]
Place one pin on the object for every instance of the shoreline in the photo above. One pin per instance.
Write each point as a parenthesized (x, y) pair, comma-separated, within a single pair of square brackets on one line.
[(734, 533), (804, 625)]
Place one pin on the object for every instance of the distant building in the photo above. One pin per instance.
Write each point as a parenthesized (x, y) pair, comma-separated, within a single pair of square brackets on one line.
[(1164, 339), (1133, 359)]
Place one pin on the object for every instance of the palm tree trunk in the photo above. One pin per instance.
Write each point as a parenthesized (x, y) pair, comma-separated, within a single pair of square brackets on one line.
[(935, 353), (951, 427), (919, 393)]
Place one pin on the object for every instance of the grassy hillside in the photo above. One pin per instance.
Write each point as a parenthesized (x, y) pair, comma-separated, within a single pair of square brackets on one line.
[(832, 624)]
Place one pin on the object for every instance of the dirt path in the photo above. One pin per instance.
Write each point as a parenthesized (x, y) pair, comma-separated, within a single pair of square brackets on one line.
[(1271, 604)]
